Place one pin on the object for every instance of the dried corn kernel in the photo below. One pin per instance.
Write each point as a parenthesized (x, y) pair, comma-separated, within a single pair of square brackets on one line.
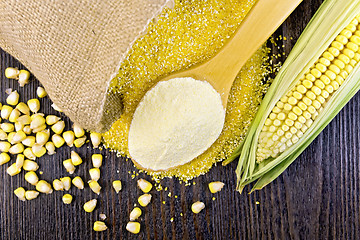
[(16, 149), (14, 115), (117, 186), (13, 98), (94, 186), (69, 138), (31, 194), (197, 207), (215, 186), (7, 127), (55, 107), (52, 119), (41, 93), (6, 111), (79, 142), (18, 137), (28, 153), (20, 193), (58, 185), (144, 199), (44, 187), (37, 121), (133, 227), (3, 135), (42, 137), (20, 159), (144, 185), (24, 77), (4, 158), (4, 147), (50, 147), (23, 108), (13, 170), (29, 141), (99, 226), (94, 174), (34, 105), (24, 119), (38, 150), (95, 139), (78, 182), (11, 73), (97, 160), (67, 199), (66, 182), (57, 140), (69, 166), (58, 127), (76, 159), (30, 165), (135, 214), (90, 205), (31, 178), (18, 126), (78, 131)]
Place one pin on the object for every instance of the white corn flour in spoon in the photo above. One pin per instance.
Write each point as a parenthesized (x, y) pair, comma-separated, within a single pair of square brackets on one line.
[(176, 121)]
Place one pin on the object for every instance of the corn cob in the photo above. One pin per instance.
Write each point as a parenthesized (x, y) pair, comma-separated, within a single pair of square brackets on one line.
[(320, 75), (295, 112)]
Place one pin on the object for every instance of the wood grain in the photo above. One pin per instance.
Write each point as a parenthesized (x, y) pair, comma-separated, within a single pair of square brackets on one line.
[(317, 197)]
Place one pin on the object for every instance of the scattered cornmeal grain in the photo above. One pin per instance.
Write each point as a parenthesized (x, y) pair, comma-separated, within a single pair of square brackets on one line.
[(180, 31)]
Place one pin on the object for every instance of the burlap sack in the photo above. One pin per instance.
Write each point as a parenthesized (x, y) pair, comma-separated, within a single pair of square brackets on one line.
[(74, 48)]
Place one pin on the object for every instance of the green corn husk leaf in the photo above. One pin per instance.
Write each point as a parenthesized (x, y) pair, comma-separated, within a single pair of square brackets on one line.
[(331, 18)]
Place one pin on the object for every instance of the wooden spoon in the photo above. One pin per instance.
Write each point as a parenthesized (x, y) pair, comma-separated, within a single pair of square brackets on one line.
[(220, 71)]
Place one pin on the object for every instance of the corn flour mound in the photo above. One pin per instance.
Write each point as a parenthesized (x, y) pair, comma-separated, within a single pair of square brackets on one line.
[(176, 121)]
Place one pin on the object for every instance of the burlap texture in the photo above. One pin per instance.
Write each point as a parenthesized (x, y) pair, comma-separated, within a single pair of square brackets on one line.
[(74, 48)]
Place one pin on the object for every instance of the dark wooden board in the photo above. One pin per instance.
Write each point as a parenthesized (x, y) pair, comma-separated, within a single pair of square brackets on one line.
[(317, 197)]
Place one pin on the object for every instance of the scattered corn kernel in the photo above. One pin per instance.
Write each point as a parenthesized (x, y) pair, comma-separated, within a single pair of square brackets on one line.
[(12, 170), (144, 185), (99, 226), (55, 107), (90, 205), (6, 111), (94, 186), (31, 178), (69, 138), (133, 227), (67, 199), (97, 160), (38, 150), (117, 186), (37, 122), (3, 135), (197, 207), (76, 159), (10, 137), (7, 127), (20, 159), (58, 185), (94, 174), (144, 199), (18, 137), (39, 129), (79, 142), (135, 214), (30, 165), (31, 194), (29, 141), (28, 153), (24, 119), (14, 115), (78, 131), (42, 137), (4, 158), (16, 149), (66, 182), (69, 166), (18, 126), (13, 98), (57, 140), (20, 193), (58, 127), (52, 119), (215, 186), (34, 105), (78, 182), (24, 77), (41, 93), (44, 187), (95, 139), (102, 216), (23, 108), (50, 147), (5, 147), (11, 72)]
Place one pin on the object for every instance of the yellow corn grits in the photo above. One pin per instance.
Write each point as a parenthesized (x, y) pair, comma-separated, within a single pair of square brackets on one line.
[(190, 33)]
